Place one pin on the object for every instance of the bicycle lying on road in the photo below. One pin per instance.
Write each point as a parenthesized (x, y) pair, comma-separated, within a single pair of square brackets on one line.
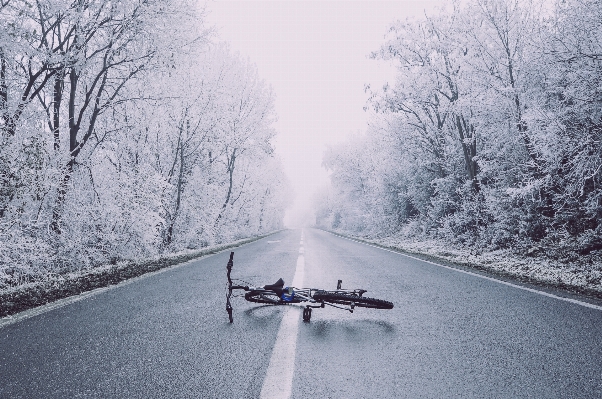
[(279, 294)]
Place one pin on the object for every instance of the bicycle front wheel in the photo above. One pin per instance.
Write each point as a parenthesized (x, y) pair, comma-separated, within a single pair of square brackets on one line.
[(269, 297), (341, 298)]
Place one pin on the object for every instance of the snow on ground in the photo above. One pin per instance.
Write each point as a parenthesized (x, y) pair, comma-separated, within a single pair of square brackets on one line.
[(57, 286), (584, 275)]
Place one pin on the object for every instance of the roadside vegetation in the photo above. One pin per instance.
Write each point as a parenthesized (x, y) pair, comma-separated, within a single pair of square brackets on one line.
[(126, 134), (488, 144), (58, 286)]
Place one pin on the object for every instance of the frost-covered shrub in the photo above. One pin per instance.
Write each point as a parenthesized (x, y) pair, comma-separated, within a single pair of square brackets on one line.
[(127, 146), (490, 136)]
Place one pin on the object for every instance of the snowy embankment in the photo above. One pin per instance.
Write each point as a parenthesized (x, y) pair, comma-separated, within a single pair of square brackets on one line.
[(582, 274), (23, 297)]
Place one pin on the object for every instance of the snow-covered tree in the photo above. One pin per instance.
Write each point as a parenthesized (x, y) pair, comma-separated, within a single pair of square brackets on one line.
[(124, 133), (490, 134)]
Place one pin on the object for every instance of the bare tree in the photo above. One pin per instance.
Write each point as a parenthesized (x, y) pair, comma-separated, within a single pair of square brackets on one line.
[(107, 51)]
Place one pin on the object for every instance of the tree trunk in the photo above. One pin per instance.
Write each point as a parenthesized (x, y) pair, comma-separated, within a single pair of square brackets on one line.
[(263, 201), (73, 129), (231, 162), (521, 125), (7, 191), (179, 189), (469, 147), (57, 96), (3, 91), (73, 126)]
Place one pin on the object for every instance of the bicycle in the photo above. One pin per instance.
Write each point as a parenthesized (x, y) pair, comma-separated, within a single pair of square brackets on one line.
[(279, 294)]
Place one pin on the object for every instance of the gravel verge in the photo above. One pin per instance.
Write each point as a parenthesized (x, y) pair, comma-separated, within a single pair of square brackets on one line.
[(18, 299), (583, 277)]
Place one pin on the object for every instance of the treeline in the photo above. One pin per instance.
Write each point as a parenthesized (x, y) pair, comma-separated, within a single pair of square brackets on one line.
[(125, 133), (490, 136)]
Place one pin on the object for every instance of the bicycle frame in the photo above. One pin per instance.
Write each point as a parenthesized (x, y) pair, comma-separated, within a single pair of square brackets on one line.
[(305, 295), (278, 294)]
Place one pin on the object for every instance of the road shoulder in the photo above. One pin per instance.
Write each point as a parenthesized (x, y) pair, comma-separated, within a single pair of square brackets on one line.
[(577, 283), (59, 287)]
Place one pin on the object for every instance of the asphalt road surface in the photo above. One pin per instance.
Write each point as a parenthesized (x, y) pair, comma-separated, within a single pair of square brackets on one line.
[(167, 336)]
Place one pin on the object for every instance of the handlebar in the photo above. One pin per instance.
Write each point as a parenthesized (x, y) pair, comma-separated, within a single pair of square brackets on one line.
[(229, 294), (231, 287), (229, 267)]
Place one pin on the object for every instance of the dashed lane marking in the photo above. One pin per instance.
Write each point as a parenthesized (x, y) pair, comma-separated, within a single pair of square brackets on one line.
[(278, 382)]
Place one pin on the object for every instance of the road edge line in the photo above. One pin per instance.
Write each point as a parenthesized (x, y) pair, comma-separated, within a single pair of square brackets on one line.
[(571, 300), (59, 303)]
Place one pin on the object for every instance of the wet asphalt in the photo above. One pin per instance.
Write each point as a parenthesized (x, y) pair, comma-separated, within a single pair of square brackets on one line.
[(168, 335)]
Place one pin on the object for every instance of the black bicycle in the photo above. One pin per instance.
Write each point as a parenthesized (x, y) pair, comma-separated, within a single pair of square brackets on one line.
[(279, 294)]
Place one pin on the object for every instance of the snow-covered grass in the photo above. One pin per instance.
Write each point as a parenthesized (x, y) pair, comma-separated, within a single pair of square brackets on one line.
[(56, 286), (583, 275)]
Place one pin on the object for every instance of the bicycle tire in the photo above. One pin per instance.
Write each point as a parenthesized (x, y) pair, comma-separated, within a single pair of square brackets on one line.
[(340, 298), (269, 297)]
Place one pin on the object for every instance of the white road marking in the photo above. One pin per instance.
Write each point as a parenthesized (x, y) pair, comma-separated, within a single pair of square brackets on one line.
[(278, 382), (272, 242), (575, 301)]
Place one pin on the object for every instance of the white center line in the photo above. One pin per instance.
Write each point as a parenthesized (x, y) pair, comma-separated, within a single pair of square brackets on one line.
[(278, 382)]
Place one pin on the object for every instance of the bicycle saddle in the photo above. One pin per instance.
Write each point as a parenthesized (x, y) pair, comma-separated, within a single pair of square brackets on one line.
[(276, 287)]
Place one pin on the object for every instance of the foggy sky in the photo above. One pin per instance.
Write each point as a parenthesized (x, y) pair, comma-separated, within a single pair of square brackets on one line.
[(314, 54)]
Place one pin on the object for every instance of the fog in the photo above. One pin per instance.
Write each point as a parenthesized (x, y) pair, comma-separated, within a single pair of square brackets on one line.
[(315, 55)]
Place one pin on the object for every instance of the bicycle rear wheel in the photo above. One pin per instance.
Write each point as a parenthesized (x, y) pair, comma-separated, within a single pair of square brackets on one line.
[(341, 298)]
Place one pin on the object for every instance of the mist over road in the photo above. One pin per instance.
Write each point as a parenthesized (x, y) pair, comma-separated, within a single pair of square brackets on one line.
[(450, 334)]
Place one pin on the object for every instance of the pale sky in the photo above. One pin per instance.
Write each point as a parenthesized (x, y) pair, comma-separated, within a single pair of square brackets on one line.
[(314, 54)]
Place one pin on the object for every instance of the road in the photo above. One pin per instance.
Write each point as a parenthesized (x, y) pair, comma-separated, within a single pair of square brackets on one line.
[(167, 336)]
